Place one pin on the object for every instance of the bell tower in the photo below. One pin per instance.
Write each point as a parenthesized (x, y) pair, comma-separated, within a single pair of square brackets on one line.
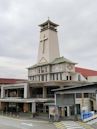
[(48, 45)]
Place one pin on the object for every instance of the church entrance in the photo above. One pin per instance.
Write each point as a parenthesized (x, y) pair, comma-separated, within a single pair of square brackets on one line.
[(92, 106), (65, 109), (13, 107)]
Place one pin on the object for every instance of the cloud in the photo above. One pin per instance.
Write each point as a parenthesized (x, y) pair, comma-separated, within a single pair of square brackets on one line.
[(19, 32)]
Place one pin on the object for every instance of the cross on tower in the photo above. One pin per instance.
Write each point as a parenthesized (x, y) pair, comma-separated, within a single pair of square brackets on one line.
[(43, 43)]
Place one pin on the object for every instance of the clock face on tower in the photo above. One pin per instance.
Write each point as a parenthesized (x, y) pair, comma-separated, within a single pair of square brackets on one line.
[(69, 66)]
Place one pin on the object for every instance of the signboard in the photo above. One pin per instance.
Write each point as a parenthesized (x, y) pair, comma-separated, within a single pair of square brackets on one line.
[(86, 115), (52, 110)]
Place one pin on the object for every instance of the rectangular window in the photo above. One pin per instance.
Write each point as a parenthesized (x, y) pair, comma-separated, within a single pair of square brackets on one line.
[(57, 76), (42, 78), (38, 70), (66, 77), (46, 77), (78, 95), (39, 78), (78, 77), (70, 77), (46, 69), (86, 95), (60, 76), (53, 76)]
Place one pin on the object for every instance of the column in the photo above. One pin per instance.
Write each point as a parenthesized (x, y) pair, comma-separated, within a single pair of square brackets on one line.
[(96, 100), (75, 108), (63, 112), (68, 111), (82, 99), (25, 90), (44, 77), (48, 77), (2, 92), (40, 77), (33, 107), (44, 92)]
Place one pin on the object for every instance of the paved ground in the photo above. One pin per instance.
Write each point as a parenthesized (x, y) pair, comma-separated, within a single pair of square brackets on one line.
[(72, 125), (11, 123), (93, 123)]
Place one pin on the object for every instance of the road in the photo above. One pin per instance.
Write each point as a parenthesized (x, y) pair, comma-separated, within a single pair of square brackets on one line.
[(11, 123)]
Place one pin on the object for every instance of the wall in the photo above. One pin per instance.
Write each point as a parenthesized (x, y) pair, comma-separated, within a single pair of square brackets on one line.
[(92, 78), (83, 103)]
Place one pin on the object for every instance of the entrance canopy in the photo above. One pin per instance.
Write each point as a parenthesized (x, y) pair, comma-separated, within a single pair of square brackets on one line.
[(18, 100), (87, 88)]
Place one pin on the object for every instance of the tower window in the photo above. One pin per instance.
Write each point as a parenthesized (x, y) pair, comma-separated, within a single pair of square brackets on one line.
[(78, 77), (60, 76), (39, 70), (66, 77), (57, 76), (46, 77), (42, 78), (70, 77), (53, 76), (46, 69), (39, 78)]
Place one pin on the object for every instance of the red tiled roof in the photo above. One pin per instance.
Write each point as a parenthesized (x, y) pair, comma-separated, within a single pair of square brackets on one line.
[(10, 80), (86, 72)]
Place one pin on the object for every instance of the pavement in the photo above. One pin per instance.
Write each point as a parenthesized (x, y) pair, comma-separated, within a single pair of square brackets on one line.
[(93, 123), (72, 125)]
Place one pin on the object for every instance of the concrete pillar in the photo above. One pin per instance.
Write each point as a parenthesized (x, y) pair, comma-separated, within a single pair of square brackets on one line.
[(55, 76), (44, 92), (68, 111), (48, 77), (2, 92), (96, 102), (75, 108), (40, 77), (63, 112), (33, 107), (25, 91), (82, 99), (59, 76), (44, 77)]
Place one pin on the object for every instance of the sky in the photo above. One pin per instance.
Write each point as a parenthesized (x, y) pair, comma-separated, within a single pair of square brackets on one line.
[(19, 32)]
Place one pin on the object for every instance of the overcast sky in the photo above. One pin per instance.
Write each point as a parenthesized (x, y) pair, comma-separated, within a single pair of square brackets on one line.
[(19, 32)]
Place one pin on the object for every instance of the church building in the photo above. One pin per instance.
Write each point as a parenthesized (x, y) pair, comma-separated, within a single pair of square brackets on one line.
[(50, 72)]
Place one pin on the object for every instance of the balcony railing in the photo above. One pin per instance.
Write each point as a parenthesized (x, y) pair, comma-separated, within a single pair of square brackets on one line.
[(37, 96), (13, 97), (50, 95), (41, 96)]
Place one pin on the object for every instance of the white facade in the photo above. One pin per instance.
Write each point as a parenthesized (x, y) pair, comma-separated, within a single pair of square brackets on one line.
[(92, 78)]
